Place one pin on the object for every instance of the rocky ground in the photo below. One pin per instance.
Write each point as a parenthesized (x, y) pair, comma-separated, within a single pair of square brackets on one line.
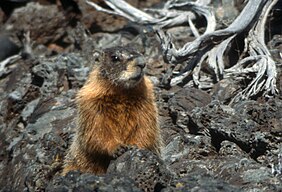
[(210, 144)]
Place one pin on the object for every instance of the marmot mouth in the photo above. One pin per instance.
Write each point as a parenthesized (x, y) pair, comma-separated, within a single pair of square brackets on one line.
[(138, 75)]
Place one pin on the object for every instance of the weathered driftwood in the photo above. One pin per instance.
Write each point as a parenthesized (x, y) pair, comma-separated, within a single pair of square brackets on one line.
[(170, 15), (213, 44), (259, 60), (8, 61), (26, 51)]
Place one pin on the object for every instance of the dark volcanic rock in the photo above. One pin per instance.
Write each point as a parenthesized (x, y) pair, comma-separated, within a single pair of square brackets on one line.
[(210, 144), (183, 101), (37, 120), (200, 183), (36, 150), (245, 133), (148, 170), (46, 25), (76, 181)]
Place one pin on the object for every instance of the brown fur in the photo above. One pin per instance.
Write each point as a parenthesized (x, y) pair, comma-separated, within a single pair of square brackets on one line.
[(111, 116)]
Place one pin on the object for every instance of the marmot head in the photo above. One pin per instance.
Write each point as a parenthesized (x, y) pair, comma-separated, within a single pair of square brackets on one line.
[(121, 66)]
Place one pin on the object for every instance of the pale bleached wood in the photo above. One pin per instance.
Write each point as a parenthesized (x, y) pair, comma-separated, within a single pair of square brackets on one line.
[(212, 45)]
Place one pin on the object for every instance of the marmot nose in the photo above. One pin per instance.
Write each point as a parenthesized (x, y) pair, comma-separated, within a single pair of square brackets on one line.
[(141, 62)]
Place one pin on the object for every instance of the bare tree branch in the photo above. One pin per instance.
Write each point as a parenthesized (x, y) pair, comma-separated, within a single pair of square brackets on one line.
[(123, 9), (262, 64), (169, 16), (246, 19), (213, 44), (3, 64)]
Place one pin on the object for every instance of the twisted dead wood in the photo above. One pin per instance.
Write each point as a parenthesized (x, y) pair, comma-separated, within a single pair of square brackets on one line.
[(212, 45)]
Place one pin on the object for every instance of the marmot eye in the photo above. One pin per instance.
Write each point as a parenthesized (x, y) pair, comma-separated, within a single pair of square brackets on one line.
[(115, 58)]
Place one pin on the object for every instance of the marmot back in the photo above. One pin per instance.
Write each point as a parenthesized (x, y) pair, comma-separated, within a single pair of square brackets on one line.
[(116, 108)]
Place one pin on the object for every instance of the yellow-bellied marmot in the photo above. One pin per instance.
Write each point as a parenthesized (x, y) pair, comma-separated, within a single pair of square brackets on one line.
[(116, 108)]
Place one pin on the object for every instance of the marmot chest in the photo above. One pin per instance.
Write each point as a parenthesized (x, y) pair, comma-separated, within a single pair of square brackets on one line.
[(122, 116)]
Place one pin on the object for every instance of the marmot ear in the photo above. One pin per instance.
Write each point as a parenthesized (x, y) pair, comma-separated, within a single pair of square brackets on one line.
[(97, 56)]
